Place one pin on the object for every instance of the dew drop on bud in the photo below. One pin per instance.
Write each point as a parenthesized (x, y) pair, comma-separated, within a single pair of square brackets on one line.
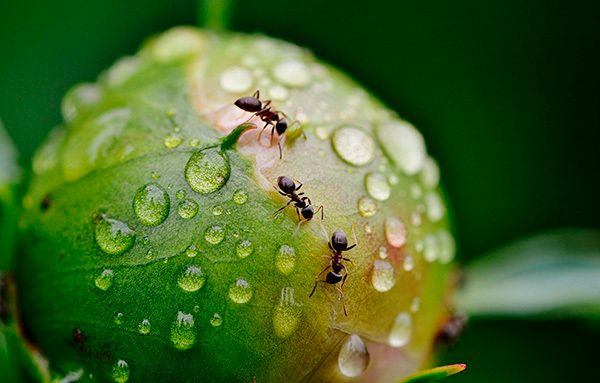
[(151, 204), (187, 209), (214, 234), (383, 277), (144, 327), (285, 260), (120, 371), (216, 320), (244, 248), (114, 237), (104, 280), (353, 358), (367, 207), (286, 315), (191, 279), (182, 331), (377, 186), (395, 232), (207, 171), (353, 145), (401, 330), (240, 291), (240, 196)]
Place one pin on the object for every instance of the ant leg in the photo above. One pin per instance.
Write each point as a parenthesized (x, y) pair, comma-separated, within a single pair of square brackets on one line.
[(261, 132), (272, 134), (355, 240), (339, 289), (306, 199), (320, 208), (280, 150), (299, 185), (256, 94), (281, 208), (314, 288), (351, 247), (345, 276), (298, 214), (348, 260)]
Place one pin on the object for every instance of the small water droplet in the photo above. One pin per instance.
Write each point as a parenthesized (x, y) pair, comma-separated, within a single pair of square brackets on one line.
[(430, 174), (244, 248), (404, 144), (383, 276), (150, 254), (151, 204), (368, 229), (236, 80), (214, 234), (322, 132), (435, 206), (278, 93), (286, 316), (145, 240), (430, 248), (393, 179), (292, 73), (144, 327), (377, 186), (120, 371), (240, 291), (80, 98), (194, 142), (196, 308), (207, 171), (216, 320), (191, 279), (401, 331), (285, 260), (191, 251), (353, 358), (173, 140), (415, 304), (240, 196), (105, 280), (182, 331), (446, 246), (383, 252), (353, 145), (118, 319), (367, 207), (181, 194), (395, 232), (114, 237), (408, 264), (187, 208), (415, 219), (218, 210)]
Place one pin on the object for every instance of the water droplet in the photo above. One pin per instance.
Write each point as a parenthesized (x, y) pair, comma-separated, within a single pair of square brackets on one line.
[(430, 174), (80, 98), (214, 234), (408, 264), (182, 331), (395, 232), (187, 209), (383, 252), (415, 219), (377, 186), (207, 171), (244, 248), (353, 145), (415, 304), (404, 144), (278, 93), (191, 251), (430, 248), (120, 371), (285, 260), (114, 237), (383, 277), (401, 331), (446, 246), (367, 207), (236, 80), (155, 176), (191, 279), (216, 320), (435, 206), (292, 73), (181, 194), (322, 132), (150, 254), (240, 196), (118, 318), (173, 140), (145, 240), (177, 43), (105, 280), (286, 316), (353, 358), (218, 210), (194, 142), (368, 229), (151, 204), (393, 179), (240, 291), (144, 327)]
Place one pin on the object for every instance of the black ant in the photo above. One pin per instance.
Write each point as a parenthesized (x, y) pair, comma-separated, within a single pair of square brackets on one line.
[(303, 205), (263, 110), (338, 244)]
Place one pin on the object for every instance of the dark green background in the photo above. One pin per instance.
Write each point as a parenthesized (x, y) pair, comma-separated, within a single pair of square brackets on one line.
[(507, 94)]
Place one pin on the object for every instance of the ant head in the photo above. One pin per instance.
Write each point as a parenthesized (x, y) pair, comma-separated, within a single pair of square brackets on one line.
[(249, 104), (286, 184), (281, 126), (308, 212), (339, 242)]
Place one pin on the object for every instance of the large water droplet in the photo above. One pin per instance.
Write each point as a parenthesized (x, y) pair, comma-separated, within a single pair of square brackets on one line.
[(286, 316), (446, 246), (187, 209), (207, 171), (182, 331), (292, 73), (236, 80), (383, 276), (240, 291), (105, 280), (151, 204), (401, 331), (113, 237), (435, 206), (191, 279), (377, 186), (244, 248), (430, 174), (144, 327), (214, 234), (395, 232), (240, 196), (367, 207), (353, 145), (353, 358), (120, 371), (285, 260), (404, 144), (216, 320)]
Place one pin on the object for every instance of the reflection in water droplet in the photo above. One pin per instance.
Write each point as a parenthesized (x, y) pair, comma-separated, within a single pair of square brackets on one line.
[(118, 318), (240, 196), (173, 140), (214, 234), (377, 186), (285, 260), (401, 331), (144, 327), (216, 320), (383, 276), (240, 291), (353, 145), (395, 232), (191, 279), (182, 331), (151, 204), (187, 209), (236, 80), (120, 371), (286, 316), (105, 280), (435, 206), (207, 171), (114, 237), (191, 251), (367, 207), (353, 358), (244, 248)]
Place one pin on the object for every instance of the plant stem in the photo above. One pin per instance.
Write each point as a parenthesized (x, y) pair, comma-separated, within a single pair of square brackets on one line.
[(215, 14)]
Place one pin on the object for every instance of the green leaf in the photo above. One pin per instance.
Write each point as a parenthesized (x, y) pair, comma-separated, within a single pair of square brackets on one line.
[(10, 174), (556, 273), (435, 373)]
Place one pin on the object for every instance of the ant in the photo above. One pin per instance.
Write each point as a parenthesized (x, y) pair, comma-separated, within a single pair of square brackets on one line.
[(303, 205), (263, 110), (337, 245)]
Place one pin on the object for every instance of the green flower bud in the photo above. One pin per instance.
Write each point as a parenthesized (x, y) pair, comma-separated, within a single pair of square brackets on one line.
[(150, 247)]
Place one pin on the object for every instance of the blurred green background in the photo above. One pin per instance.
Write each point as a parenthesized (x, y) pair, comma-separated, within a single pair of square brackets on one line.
[(505, 92)]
